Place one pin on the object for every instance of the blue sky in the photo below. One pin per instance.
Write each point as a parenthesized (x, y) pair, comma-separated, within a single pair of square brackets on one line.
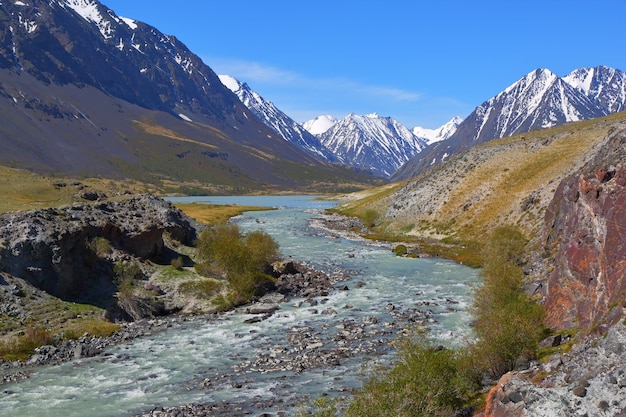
[(420, 62)]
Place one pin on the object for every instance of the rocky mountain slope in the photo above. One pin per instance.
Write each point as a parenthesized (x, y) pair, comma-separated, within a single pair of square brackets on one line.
[(278, 121), (84, 91), (563, 187), (380, 144), (539, 100)]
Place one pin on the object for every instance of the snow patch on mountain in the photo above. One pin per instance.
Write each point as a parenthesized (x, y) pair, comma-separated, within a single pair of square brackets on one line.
[(441, 133), (320, 124), (605, 85), (90, 11), (130, 22)]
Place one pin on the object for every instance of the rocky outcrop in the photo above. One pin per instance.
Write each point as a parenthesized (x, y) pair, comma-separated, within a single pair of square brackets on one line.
[(590, 380), (57, 249), (585, 241), (584, 251)]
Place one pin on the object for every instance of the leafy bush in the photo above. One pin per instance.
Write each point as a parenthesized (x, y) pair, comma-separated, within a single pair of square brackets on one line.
[(508, 323), (370, 218), (101, 246), (426, 381), (242, 258), (400, 250)]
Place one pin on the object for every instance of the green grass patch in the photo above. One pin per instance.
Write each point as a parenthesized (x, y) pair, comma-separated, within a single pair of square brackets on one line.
[(204, 288), (93, 327)]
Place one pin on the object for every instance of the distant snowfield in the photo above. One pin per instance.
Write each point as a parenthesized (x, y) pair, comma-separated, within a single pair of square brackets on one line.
[(320, 124)]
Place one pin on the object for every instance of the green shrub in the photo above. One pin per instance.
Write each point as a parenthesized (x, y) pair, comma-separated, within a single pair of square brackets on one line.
[(370, 218), (101, 246), (242, 258), (177, 263), (400, 250), (508, 323), (426, 381)]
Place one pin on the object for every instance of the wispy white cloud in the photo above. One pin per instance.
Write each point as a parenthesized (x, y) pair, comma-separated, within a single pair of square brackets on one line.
[(247, 71), (256, 73)]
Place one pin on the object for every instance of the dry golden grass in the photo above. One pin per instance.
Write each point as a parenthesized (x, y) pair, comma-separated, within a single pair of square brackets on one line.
[(515, 172), (213, 214), (359, 202), (489, 185), (157, 130)]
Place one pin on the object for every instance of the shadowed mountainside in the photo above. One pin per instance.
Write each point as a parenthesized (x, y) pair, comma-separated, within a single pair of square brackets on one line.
[(85, 92)]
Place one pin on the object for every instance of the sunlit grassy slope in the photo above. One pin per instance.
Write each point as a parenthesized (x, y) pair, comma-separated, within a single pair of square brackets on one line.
[(504, 181)]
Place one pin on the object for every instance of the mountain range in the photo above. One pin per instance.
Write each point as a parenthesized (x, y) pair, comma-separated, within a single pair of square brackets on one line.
[(377, 144), (86, 92), (538, 100)]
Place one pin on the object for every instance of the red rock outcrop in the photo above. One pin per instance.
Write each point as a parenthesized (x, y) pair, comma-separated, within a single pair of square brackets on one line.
[(586, 238)]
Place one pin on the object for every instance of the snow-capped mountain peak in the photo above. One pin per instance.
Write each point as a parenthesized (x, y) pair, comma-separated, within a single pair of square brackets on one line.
[(441, 133), (274, 118), (380, 144), (603, 84), (320, 124), (539, 100)]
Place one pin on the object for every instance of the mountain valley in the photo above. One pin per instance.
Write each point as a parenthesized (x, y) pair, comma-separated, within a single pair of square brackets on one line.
[(102, 114)]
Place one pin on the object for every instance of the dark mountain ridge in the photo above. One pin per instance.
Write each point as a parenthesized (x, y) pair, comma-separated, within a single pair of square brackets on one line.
[(87, 92)]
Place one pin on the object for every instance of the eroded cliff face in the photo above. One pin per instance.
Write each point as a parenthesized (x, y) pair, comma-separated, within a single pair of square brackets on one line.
[(584, 250), (585, 241), (56, 249)]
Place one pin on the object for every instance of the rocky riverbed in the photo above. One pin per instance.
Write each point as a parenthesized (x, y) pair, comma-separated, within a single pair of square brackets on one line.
[(314, 330)]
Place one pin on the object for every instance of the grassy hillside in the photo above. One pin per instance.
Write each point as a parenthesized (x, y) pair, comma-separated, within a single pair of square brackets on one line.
[(450, 210), (505, 181)]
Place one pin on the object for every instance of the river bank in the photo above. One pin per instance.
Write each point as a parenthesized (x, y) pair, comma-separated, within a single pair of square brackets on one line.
[(272, 356)]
